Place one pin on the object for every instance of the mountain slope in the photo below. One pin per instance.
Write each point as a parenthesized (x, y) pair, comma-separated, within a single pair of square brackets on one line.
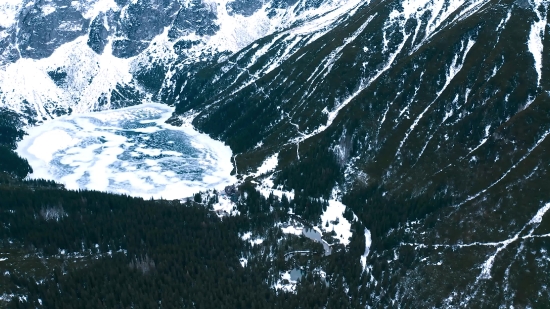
[(427, 119), (429, 110), (59, 57)]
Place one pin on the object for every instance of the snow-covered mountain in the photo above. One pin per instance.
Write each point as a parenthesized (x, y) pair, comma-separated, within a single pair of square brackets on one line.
[(59, 57), (427, 119)]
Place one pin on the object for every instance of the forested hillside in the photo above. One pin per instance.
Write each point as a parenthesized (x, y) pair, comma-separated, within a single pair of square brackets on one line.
[(11, 133), (67, 249), (86, 249), (430, 117)]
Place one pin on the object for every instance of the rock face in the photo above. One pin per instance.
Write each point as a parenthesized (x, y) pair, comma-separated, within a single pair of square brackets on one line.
[(42, 30)]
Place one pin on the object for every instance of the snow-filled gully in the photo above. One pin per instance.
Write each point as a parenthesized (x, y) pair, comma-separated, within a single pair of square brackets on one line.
[(536, 36), (526, 232), (453, 70), (397, 20), (529, 151)]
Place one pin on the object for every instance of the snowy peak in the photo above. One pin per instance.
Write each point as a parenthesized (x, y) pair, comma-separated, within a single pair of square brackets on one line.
[(94, 55)]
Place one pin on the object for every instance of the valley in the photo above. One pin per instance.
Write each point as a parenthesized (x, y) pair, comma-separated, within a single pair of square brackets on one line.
[(332, 154)]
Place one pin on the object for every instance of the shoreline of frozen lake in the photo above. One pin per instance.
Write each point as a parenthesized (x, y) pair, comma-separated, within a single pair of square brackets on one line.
[(128, 151)]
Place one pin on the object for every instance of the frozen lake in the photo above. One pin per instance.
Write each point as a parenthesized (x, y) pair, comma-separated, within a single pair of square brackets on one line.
[(129, 150)]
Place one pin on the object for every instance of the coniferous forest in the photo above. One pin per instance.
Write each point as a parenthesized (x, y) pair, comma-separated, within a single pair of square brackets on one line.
[(68, 249), (86, 249)]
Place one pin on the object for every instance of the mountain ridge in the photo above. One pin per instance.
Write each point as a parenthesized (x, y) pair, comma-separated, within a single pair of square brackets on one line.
[(134, 46)]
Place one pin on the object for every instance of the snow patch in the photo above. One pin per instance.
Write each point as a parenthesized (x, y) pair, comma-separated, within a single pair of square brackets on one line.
[(99, 6), (225, 207), (9, 10), (333, 220), (253, 241), (48, 9), (298, 231), (50, 143), (368, 242), (268, 165), (266, 187), (243, 262), (285, 283), (536, 36), (246, 236)]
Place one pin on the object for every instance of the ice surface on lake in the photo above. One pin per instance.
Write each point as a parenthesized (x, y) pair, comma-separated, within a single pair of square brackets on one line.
[(130, 151)]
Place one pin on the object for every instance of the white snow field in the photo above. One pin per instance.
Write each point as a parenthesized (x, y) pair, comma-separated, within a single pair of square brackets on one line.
[(129, 151)]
